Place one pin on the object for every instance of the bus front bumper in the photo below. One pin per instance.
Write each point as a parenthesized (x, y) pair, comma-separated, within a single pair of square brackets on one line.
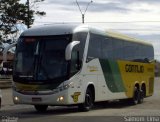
[(60, 98)]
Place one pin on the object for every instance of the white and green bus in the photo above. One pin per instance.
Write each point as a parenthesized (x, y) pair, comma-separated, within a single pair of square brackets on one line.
[(58, 65)]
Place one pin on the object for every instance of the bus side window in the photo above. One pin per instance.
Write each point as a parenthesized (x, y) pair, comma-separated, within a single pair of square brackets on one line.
[(95, 47)]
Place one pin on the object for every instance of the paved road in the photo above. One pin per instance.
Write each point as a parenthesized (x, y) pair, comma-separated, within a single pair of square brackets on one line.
[(108, 112)]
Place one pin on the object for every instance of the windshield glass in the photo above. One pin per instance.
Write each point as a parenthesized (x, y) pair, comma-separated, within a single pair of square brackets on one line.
[(41, 58)]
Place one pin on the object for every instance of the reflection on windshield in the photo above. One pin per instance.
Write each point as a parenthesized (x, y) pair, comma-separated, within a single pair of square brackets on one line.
[(53, 63), (42, 59), (25, 57)]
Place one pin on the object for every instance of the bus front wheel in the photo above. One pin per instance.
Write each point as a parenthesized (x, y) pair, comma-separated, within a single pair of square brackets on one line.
[(41, 108), (88, 104)]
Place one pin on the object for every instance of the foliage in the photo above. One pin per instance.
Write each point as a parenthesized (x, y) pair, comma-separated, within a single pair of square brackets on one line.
[(12, 10)]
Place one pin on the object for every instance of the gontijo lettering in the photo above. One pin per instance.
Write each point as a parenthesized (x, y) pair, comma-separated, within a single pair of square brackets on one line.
[(134, 68)]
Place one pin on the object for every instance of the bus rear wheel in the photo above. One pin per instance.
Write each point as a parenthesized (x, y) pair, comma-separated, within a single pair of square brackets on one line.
[(136, 97), (142, 95), (88, 104), (41, 108)]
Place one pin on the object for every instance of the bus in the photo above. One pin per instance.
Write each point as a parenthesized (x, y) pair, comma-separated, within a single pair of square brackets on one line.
[(65, 65)]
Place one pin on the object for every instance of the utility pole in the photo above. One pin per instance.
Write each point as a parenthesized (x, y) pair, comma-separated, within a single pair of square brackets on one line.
[(83, 13), (28, 12)]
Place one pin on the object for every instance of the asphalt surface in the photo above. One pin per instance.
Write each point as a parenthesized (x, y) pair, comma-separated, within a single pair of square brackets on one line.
[(114, 111)]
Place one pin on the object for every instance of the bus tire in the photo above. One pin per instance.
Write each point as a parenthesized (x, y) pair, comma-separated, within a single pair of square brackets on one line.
[(141, 97), (142, 94), (136, 96), (41, 108), (89, 100)]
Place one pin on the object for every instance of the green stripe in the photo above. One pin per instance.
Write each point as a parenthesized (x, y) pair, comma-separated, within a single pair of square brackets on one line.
[(112, 75)]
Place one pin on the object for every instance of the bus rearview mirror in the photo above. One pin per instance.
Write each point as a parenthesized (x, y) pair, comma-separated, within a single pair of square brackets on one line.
[(69, 48)]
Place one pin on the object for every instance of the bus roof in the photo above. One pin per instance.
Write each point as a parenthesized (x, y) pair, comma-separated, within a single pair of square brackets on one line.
[(48, 30), (118, 35), (59, 29), (126, 38)]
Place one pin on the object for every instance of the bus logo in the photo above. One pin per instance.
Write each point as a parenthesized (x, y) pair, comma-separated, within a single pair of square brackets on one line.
[(75, 96)]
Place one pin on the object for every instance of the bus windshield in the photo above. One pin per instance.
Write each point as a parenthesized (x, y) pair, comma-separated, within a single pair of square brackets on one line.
[(41, 58)]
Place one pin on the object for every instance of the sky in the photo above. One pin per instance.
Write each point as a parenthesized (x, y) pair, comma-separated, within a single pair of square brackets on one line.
[(136, 18)]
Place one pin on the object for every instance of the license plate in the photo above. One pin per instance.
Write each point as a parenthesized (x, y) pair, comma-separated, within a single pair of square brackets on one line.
[(36, 99)]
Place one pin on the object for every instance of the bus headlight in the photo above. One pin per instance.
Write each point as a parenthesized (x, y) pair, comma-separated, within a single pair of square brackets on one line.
[(16, 99), (60, 99), (66, 86), (71, 84)]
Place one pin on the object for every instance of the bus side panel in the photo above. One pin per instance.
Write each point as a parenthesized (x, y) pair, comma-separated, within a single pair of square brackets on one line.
[(111, 79), (106, 87), (135, 72)]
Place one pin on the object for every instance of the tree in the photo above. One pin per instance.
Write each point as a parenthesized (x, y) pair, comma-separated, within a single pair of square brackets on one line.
[(12, 10)]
